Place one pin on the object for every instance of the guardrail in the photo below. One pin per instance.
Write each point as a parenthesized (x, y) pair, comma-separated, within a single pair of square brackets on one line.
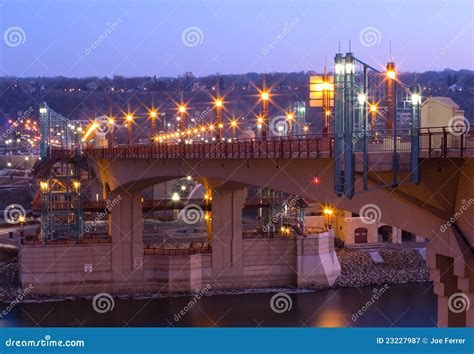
[(434, 141)]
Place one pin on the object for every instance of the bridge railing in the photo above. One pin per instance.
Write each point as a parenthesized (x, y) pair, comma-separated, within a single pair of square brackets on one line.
[(434, 141), (273, 147)]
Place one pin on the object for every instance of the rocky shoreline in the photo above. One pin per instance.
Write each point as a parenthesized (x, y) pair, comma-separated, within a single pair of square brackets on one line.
[(357, 269), (400, 266)]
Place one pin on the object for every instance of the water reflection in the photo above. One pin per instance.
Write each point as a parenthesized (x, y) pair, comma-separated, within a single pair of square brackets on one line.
[(401, 305)]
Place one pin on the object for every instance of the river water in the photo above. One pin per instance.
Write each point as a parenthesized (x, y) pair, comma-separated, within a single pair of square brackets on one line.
[(403, 305)]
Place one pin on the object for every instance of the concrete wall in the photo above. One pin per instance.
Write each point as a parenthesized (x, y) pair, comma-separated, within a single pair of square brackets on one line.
[(65, 269), (351, 224), (266, 262)]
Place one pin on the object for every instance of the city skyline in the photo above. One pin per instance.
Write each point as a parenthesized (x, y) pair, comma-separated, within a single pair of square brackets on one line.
[(208, 37)]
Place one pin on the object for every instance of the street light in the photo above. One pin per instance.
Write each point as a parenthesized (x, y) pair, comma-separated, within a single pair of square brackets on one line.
[(415, 99), (182, 116), (153, 115), (233, 124), (219, 103), (391, 74), (111, 122), (175, 197), (265, 96), (328, 212), (129, 119)]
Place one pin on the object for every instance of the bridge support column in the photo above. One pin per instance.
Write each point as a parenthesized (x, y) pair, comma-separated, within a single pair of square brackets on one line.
[(316, 260), (451, 271), (227, 245), (396, 235), (126, 228)]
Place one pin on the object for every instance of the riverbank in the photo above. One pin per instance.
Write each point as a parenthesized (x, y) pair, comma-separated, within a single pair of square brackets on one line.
[(357, 270)]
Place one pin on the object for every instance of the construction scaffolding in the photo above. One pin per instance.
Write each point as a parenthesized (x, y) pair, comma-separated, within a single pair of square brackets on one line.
[(60, 178)]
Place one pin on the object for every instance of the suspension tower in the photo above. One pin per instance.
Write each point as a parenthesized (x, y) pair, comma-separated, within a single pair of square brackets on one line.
[(363, 93)]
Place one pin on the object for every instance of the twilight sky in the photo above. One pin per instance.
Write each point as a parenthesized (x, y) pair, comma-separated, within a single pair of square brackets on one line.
[(169, 37)]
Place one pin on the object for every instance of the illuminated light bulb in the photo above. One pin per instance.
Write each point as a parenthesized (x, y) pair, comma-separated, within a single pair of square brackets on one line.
[(373, 108), (328, 211), (211, 127), (182, 109), (327, 86), (260, 120), (153, 114), (233, 124), (289, 116), (175, 197), (221, 125), (391, 74), (350, 68), (265, 96), (361, 98), (129, 117), (218, 103), (316, 180), (415, 99), (328, 113)]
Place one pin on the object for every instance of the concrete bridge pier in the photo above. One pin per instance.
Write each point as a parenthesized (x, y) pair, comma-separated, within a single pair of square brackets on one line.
[(227, 243), (453, 279), (126, 228)]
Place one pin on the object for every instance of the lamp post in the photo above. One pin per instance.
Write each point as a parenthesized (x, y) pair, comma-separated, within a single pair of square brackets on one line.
[(153, 115), (390, 96), (219, 103), (111, 123), (129, 119), (233, 125), (328, 212), (265, 97), (182, 117)]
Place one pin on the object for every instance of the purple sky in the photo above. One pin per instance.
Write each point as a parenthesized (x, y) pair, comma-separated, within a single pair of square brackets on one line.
[(145, 37)]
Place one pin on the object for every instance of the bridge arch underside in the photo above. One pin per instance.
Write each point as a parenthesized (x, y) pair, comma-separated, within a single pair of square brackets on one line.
[(419, 209), (424, 209)]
